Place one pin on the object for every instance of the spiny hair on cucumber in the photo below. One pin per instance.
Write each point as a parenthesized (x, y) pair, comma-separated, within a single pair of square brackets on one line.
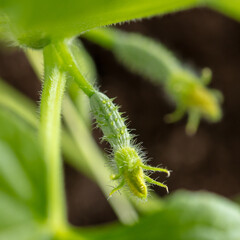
[(129, 160), (110, 121)]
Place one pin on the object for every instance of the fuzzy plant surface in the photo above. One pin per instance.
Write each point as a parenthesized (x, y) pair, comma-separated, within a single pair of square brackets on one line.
[(126, 154), (32, 197)]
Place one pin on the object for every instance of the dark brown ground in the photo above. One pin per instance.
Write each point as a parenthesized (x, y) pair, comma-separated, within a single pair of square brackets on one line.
[(210, 159)]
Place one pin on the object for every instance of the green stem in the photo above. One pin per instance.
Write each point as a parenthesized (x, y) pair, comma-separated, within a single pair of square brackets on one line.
[(90, 159), (50, 123), (70, 149), (101, 36), (138, 53), (69, 65)]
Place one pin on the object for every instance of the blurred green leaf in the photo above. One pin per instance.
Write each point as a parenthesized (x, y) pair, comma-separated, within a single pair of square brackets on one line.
[(36, 23), (22, 181), (227, 7), (186, 216)]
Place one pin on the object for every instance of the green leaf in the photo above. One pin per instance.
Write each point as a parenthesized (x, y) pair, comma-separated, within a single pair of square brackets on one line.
[(36, 23), (230, 8), (186, 216), (22, 181)]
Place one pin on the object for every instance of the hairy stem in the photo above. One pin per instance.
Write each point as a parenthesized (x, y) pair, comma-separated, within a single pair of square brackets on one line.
[(69, 147), (69, 65), (50, 124), (90, 159)]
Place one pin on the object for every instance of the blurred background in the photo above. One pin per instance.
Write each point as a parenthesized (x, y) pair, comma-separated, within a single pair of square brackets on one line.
[(210, 159)]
